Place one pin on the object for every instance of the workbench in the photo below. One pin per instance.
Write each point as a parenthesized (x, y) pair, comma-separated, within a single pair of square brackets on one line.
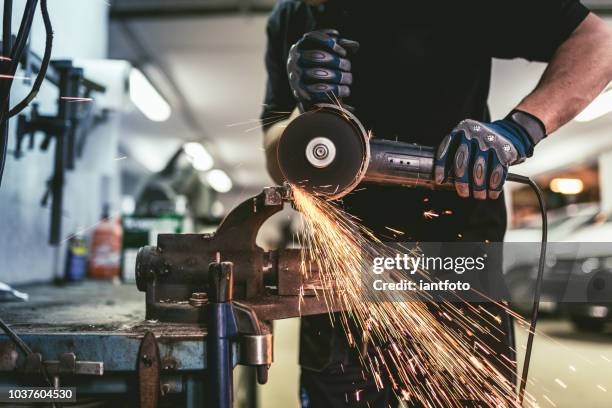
[(102, 325)]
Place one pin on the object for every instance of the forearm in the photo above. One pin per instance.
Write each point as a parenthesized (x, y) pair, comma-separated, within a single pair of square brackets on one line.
[(271, 137), (580, 69)]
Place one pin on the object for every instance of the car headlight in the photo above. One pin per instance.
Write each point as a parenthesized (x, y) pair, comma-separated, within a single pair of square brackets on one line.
[(589, 265)]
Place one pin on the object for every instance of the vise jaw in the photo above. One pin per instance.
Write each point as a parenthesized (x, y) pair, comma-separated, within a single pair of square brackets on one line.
[(174, 273)]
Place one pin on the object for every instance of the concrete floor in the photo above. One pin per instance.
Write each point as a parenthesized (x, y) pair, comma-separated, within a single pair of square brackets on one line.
[(569, 369)]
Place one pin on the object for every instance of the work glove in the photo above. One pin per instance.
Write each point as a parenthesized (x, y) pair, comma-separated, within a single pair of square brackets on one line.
[(319, 69), (476, 155)]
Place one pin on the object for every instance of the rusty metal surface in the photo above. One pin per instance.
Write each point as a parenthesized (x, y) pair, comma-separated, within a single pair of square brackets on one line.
[(149, 369), (97, 321), (177, 267), (89, 308)]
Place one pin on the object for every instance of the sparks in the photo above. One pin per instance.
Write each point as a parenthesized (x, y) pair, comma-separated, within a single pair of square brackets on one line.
[(76, 99), (422, 358), (395, 231), (430, 214), (13, 77)]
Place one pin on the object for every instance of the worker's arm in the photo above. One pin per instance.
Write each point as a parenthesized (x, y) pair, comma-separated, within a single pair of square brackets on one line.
[(477, 155), (579, 70)]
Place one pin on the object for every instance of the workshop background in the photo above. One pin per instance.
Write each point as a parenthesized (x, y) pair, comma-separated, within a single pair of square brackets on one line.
[(173, 143)]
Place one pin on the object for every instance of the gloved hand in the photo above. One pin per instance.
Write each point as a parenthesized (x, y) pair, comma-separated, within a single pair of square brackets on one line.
[(318, 67), (477, 155)]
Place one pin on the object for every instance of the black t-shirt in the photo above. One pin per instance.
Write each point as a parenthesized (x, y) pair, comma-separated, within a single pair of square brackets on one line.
[(422, 67)]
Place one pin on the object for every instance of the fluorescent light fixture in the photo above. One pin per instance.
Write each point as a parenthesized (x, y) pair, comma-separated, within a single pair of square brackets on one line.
[(146, 98), (198, 156), (567, 186), (599, 107), (219, 180)]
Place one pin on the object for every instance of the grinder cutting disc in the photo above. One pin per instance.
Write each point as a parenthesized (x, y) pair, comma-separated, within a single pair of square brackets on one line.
[(325, 151)]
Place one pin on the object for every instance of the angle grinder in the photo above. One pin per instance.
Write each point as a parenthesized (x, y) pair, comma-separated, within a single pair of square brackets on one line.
[(328, 152)]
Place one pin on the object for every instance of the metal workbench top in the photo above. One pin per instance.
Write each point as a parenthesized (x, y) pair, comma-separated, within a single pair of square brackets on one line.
[(98, 321)]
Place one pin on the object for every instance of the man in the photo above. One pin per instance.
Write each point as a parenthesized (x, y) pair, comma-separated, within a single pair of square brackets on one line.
[(420, 72)]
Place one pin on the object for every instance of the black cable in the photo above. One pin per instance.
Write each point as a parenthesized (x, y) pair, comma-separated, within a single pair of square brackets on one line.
[(15, 338), (16, 52), (6, 28), (43, 65), (24, 348), (538, 287), (24, 32), (27, 351), (6, 52)]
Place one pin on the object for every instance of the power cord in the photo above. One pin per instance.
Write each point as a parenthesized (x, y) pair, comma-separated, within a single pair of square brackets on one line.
[(44, 65), (13, 54), (538, 287)]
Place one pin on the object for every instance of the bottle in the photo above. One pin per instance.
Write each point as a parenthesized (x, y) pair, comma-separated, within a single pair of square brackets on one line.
[(76, 258), (105, 262)]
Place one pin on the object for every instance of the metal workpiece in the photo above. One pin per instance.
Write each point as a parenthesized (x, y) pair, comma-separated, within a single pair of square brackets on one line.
[(277, 195)]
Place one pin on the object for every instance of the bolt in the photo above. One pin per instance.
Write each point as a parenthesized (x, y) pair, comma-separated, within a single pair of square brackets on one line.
[(147, 360), (198, 299)]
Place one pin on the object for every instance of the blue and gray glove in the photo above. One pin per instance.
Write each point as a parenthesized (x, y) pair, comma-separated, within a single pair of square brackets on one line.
[(476, 155), (319, 69)]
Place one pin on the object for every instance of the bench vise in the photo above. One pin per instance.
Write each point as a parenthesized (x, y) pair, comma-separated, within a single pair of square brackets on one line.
[(225, 281)]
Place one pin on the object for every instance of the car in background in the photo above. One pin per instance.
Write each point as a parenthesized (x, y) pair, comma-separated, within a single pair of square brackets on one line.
[(595, 262), (521, 257), (561, 222)]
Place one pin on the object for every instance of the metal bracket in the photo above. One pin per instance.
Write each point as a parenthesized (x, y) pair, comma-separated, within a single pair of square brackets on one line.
[(66, 365), (149, 368)]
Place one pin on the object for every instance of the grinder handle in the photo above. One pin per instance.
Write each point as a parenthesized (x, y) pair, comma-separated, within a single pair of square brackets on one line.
[(408, 164)]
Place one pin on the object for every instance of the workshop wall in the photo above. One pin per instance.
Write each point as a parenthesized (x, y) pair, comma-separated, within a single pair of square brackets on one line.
[(80, 29)]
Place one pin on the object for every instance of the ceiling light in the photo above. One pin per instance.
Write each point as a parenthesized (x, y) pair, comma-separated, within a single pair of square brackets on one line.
[(599, 107), (219, 180), (566, 185), (198, 156), (146, 98)]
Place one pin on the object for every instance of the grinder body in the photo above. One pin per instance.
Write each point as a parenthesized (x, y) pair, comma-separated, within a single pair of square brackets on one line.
[(401, 163)]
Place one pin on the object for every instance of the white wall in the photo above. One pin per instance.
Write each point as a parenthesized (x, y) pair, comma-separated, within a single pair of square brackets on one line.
[(80, 28)]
